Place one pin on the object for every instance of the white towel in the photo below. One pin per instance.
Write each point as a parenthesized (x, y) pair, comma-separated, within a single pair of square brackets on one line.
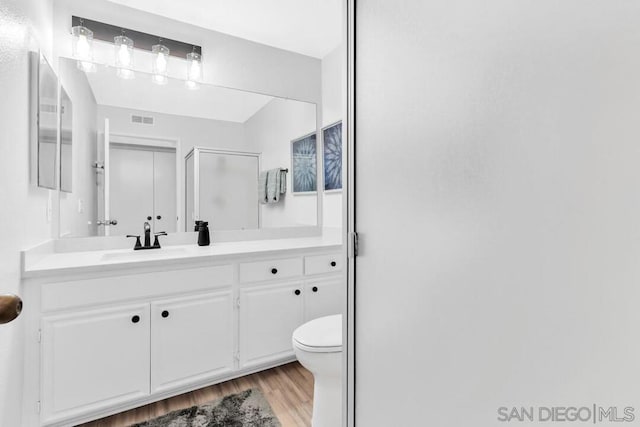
[(276, 184), (273, 186), (283, 181), (262, 187)]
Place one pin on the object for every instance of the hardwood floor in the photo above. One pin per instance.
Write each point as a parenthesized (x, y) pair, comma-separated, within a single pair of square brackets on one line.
[(288, 388)]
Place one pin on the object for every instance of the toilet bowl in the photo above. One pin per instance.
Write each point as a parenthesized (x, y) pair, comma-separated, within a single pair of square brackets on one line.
[(318, 347)]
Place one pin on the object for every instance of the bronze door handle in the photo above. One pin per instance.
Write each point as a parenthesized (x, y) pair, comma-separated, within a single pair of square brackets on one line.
[(10, 307)]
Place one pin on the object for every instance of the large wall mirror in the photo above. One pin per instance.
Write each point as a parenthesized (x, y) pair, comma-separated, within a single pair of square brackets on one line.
[(168, 155), (47, 124)]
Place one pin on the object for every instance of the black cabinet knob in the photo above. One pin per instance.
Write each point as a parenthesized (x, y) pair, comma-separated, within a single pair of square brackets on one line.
[(165, 314), (297, 292), (159, 217), (135, 319), (274, 270), (333, 263), (314, 289), (149, 218)]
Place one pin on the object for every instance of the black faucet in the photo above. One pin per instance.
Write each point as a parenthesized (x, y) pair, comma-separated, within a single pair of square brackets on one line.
[(147, 239), (147, 235)]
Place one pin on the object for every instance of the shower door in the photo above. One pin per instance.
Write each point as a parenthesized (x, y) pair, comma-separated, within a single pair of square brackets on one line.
[(222, 189)]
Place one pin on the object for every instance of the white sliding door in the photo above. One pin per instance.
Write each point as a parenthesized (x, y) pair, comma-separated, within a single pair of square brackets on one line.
[(498, 204)]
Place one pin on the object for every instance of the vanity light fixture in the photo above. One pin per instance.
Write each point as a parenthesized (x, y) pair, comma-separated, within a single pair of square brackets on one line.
[(82, 47), (159, 66), (160, 48), (124, 56), (194, 69)]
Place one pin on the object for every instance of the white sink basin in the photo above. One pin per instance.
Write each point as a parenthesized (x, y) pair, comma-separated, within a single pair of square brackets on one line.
[(145, 254)]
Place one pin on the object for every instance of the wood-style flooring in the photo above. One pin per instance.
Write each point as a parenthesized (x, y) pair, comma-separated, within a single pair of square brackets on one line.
[(288, 388)]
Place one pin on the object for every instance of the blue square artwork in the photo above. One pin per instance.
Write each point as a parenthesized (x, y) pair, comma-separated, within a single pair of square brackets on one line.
[(303, 164), (332, 137)]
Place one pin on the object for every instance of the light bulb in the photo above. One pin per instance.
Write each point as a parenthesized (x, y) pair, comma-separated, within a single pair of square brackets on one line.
[(194, 67), (161, 63), (124, 59), (82, 47), (195, 70)]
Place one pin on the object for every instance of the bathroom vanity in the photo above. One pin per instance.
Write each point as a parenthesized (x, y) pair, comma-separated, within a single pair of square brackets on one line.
[(109, 330)]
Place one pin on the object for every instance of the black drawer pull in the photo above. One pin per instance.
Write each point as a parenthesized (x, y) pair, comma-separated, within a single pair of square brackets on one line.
[(274, 270), (333, 263), (165, 314), (135, 319), (149, 218), (297, 292), (314, 289), (159, 217)]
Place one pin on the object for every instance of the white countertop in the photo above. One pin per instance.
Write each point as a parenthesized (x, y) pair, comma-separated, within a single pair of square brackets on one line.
[(104, 260)]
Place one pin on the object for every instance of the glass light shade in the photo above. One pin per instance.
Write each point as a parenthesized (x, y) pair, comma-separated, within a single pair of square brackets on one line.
[(191, 85), (124, 56), (159, 65), (194, 67), (125, 73), (82, 47)]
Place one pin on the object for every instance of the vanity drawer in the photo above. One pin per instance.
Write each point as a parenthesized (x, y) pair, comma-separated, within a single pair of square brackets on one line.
[(273, 269), (105, 290), (322, 264)]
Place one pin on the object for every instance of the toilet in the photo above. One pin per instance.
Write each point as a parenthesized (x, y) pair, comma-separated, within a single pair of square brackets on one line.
[(318, 347)]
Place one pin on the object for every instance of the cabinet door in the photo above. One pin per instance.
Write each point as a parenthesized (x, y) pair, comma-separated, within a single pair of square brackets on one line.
[(324, 298), (268, 317), (94, 359), (191, 339)]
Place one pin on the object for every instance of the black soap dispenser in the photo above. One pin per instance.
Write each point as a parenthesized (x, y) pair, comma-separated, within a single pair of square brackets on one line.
[(203, 234)]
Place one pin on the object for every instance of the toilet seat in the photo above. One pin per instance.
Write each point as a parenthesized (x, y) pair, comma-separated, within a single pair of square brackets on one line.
[(322, 335)]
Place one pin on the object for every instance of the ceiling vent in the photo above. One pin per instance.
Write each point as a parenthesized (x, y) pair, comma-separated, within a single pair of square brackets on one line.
[(142, 120)]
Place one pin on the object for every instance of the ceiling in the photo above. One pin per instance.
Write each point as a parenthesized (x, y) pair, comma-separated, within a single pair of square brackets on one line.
[(308, 27), (208, 102)]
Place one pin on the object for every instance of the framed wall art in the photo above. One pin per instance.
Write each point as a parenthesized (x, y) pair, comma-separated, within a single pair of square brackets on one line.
[(303, 164)]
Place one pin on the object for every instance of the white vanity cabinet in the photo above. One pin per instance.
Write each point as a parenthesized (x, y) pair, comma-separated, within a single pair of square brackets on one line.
[(324, 297), (94, 359), (191, 339), (120, 338), (268, 316), (269, 313)]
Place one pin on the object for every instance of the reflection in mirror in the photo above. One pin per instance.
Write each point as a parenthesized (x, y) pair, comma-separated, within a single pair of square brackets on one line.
[(47, 125), (66, 142), (147, 134)]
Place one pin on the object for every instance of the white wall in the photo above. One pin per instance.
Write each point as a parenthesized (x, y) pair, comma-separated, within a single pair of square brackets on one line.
[(227, 61), (84, 191), (190, 131), (271, 130), (498, 203), (24, 25), (332, 105)]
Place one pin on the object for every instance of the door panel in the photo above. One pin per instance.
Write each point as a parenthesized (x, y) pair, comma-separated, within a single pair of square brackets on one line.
[(131, 189), (94, 359), (191, 339), (268, 317), (164, 191)]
